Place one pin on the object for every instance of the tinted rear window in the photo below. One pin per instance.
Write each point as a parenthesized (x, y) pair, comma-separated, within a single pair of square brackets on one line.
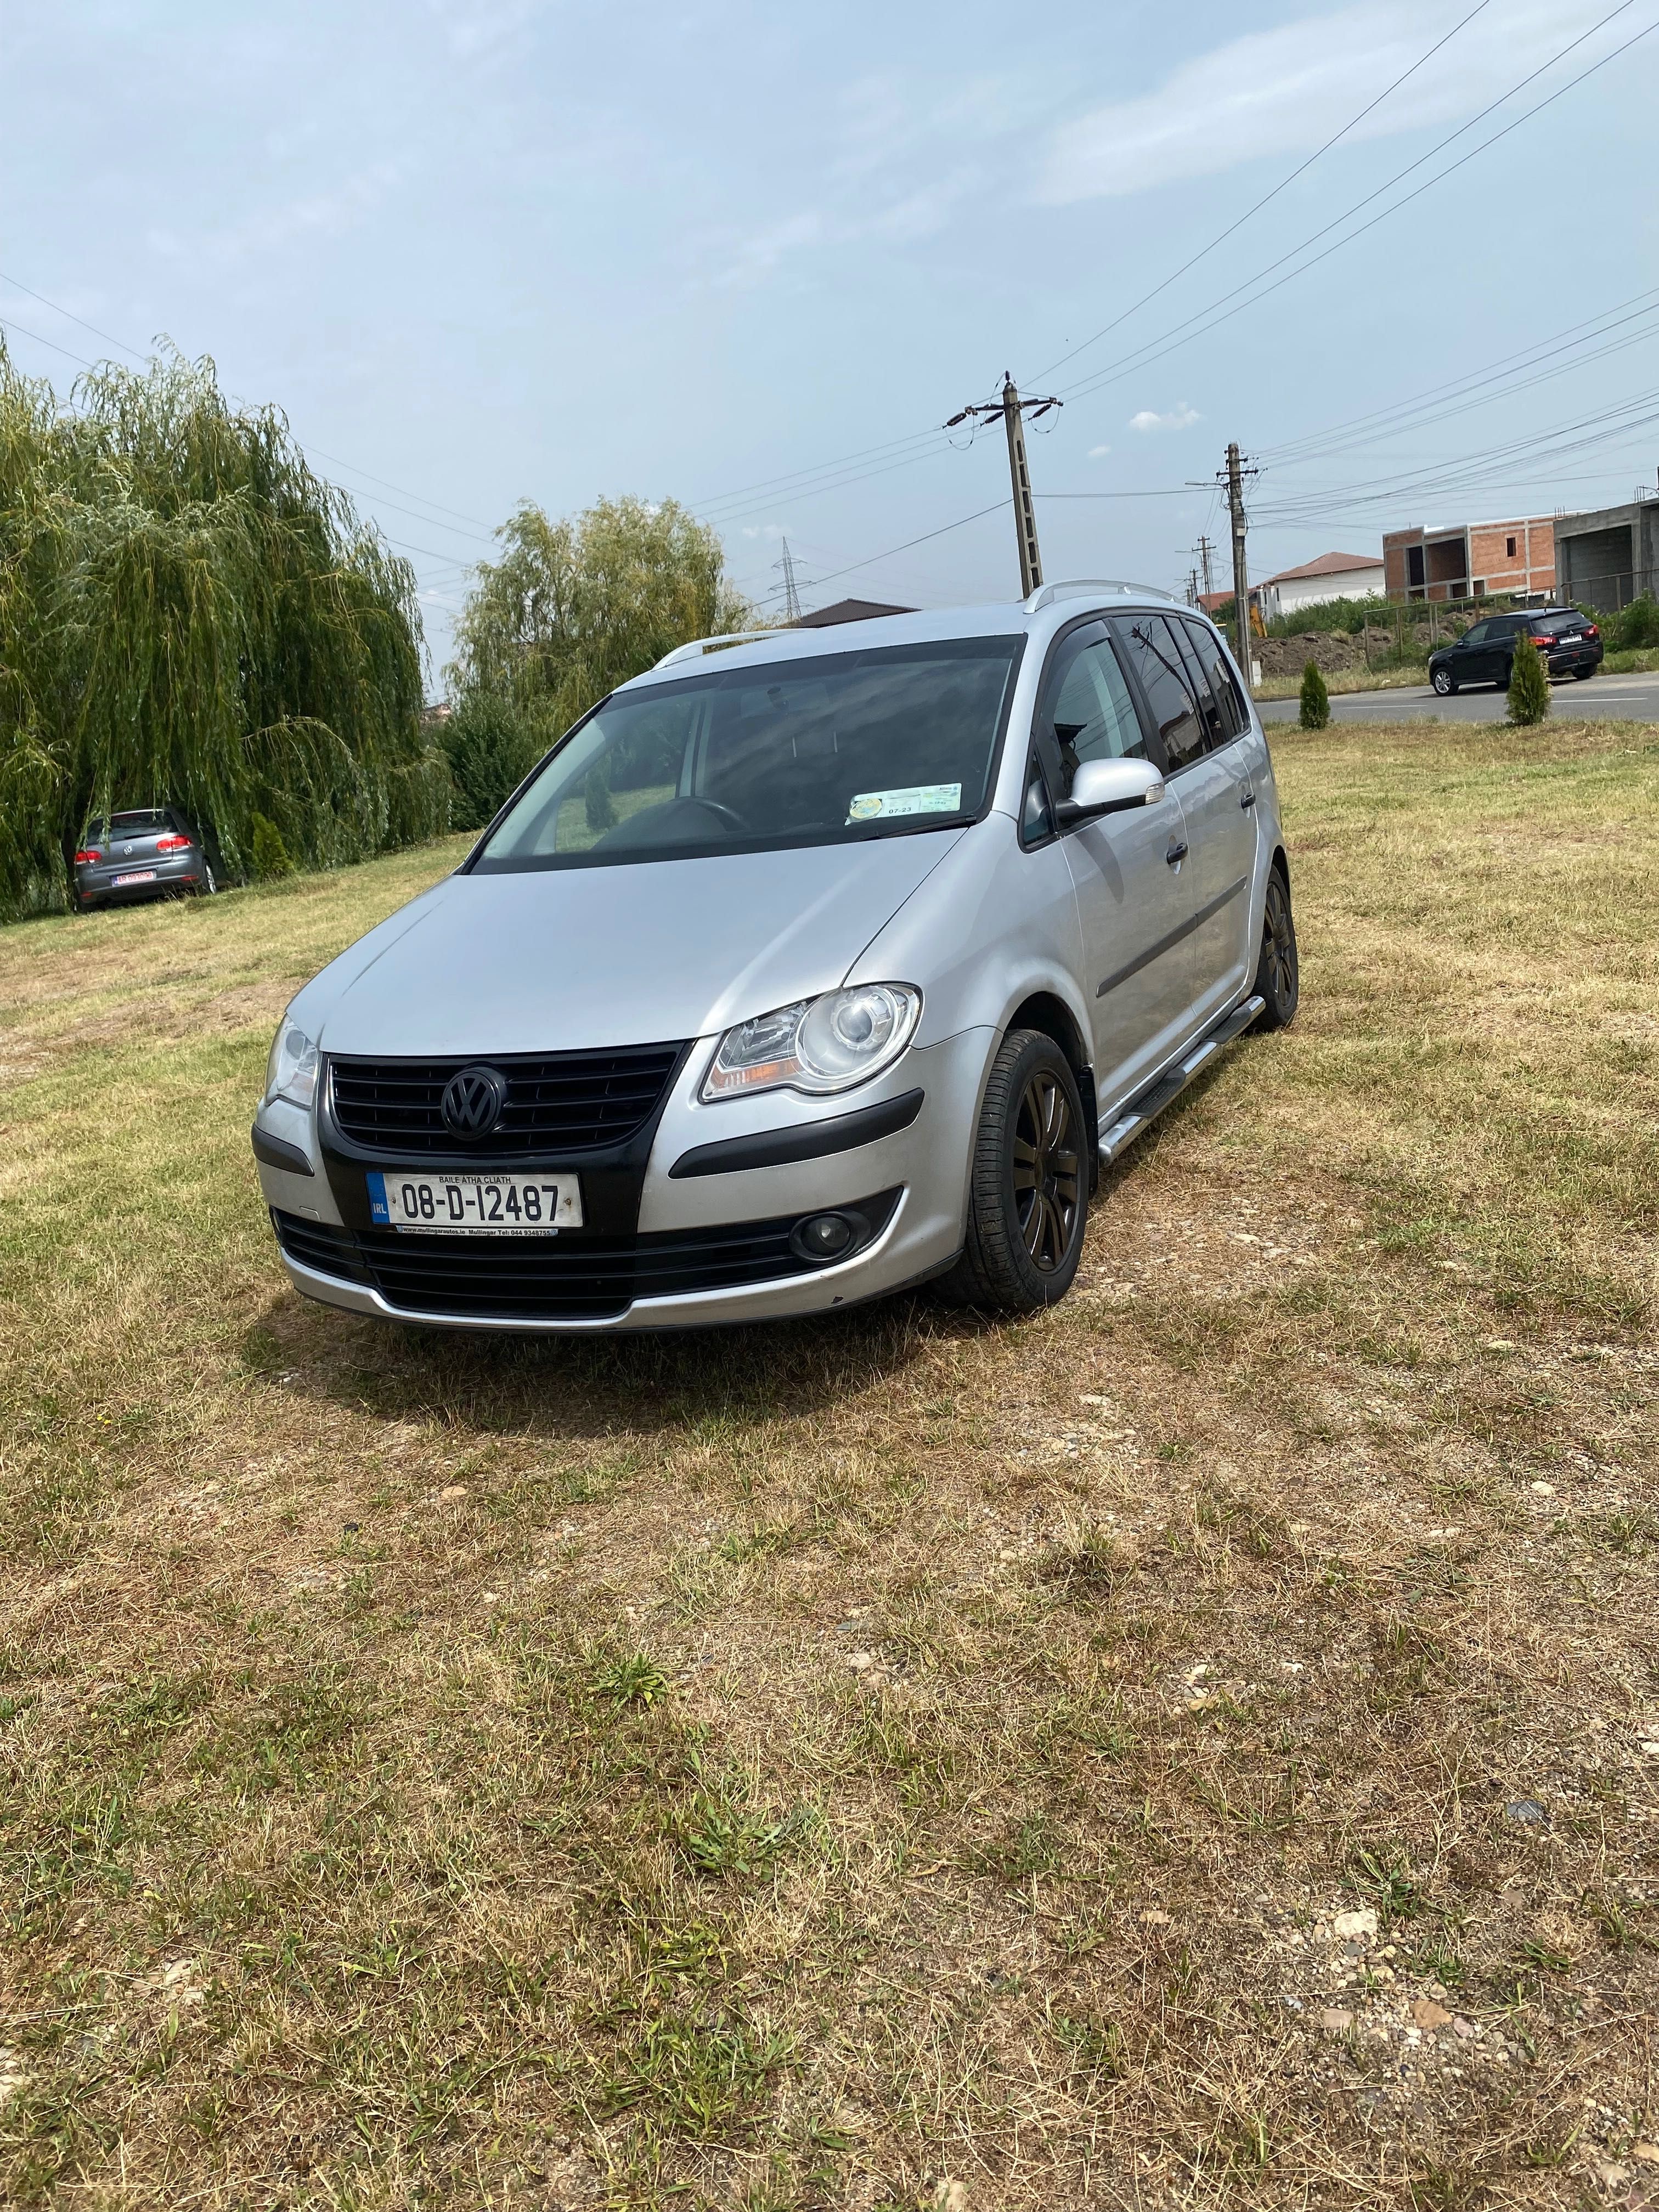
[(1555, 625), (1157, 660), (143, 822)]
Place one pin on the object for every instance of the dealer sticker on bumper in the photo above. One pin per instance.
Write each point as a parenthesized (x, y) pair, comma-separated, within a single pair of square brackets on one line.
[(477, 1205)]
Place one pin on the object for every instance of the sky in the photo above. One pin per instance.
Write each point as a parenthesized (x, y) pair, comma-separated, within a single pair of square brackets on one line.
[(752, 258)]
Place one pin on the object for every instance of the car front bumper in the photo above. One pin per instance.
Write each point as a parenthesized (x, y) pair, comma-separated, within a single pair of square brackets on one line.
[(925, 1163)]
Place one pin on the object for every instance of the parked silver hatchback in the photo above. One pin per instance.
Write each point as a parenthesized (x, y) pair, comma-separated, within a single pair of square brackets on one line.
[(808, 966)]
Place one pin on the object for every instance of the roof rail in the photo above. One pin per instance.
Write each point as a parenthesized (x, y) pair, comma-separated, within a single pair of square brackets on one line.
[(723, 641), (1085, 587)]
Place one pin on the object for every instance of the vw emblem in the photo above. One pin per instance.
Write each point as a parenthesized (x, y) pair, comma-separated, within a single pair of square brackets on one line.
[(472, 1102)]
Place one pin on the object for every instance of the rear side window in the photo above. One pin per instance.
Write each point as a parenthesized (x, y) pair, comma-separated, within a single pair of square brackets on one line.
[(1152, 652), (1231, 719)]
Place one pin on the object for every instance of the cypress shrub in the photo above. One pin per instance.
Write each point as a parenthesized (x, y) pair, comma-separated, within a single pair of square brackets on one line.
[(1529, 684), (1315, 699), (271, 857)]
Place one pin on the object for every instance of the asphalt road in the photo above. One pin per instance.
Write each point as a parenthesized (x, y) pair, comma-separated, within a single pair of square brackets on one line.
[(1605, 698)]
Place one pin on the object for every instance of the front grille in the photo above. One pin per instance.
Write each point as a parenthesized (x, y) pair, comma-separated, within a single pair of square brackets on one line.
[(552, 1279), (560, 1101)]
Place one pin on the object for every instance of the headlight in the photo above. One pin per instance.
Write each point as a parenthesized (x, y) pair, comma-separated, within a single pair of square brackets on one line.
[(291, 1070), (817, 1045)]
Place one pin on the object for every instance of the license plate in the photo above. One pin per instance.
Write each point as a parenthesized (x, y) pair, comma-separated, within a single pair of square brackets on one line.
[(138, 876), (477, 1205)]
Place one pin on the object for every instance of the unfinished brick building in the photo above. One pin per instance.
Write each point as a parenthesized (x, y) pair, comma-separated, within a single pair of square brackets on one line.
[(1468, 560)]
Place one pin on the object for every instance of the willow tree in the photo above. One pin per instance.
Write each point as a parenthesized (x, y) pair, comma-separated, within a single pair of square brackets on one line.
[(188, 613), (572, 609)]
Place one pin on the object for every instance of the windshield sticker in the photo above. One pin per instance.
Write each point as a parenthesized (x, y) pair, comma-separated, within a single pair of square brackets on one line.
[(914, 798)]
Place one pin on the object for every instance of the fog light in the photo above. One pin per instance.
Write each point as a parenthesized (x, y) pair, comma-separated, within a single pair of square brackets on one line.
[(824, 1236)]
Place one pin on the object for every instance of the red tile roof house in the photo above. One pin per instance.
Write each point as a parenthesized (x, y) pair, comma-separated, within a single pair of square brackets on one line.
[(1332, 576)]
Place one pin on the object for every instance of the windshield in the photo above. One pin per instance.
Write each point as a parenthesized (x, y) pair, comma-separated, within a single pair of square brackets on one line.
[(823, 751)]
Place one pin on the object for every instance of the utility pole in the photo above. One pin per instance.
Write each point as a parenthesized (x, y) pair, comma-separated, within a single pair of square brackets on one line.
[(1192, 588), (1204, 548), (1011, 408), (791, 595), (1236, 472)]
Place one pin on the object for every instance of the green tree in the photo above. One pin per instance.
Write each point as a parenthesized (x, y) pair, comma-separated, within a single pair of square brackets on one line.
[(1637, 626), (1529, 684), (1315, 699), (491, 745), (188, 613), (572, 609)]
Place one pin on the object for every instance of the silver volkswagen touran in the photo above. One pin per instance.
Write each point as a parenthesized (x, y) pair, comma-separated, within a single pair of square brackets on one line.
[(808, 966)]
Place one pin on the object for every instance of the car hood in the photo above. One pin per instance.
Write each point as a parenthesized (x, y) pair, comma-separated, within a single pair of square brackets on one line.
[(572, 958)]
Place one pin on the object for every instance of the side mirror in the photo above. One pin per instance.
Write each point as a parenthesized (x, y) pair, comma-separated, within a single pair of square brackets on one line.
[(1110, 787)]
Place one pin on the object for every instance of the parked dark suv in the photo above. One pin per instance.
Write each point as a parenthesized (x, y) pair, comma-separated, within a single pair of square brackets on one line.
[(148, 852), (1569, 642)]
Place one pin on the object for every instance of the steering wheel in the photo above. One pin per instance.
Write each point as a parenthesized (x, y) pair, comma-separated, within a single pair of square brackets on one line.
[(729, 815)]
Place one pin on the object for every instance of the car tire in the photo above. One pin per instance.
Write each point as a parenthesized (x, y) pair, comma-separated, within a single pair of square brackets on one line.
[(1444, 682), (1278, 969), (207, 885), (1028, 1192), (1583, 675)]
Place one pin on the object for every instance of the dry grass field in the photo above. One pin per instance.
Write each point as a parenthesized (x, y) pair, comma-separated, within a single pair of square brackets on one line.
[(1197, 1748)]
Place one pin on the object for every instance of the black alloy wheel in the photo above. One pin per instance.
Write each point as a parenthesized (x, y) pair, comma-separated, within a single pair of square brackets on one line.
[(1048, 1171), (1028, 1198), (1278, 970)]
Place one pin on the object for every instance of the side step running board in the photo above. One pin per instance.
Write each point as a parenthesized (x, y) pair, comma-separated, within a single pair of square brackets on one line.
[(1151, 1103)]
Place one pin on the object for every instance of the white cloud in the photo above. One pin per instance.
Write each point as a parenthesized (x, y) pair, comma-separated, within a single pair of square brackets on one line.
[(1181, 416), (1284, 92), (318, 215), (907, 221), (473, 27), (1098, 453)]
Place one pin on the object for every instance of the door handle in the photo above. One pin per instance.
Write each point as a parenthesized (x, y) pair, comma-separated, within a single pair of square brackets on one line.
[(1176, 853), (1247, 796)]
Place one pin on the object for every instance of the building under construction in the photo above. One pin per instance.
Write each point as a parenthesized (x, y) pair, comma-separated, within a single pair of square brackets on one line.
[(1609, 556), (1469, 560)]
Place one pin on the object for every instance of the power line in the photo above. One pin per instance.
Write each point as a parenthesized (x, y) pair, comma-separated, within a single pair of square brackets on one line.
[(1181, 333), (1563, 440), (1167, 491), (995, 507), (18, 285), (1283, 185), (22, 330), (1367, 429), (844, 474)]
